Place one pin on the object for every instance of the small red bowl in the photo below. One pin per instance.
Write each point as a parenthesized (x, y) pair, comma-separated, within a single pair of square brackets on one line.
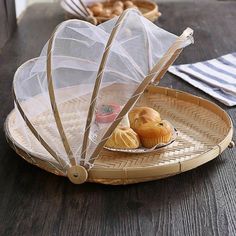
[(107, 113)]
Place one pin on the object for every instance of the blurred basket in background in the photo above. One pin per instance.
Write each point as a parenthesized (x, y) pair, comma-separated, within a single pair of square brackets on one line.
[(106, 9)]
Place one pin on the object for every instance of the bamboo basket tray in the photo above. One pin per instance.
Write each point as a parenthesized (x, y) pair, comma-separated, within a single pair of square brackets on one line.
[(148, 9), (204, 131)]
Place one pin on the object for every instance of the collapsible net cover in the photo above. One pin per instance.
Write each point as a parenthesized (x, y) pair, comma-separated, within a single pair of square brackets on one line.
[(55, 94)]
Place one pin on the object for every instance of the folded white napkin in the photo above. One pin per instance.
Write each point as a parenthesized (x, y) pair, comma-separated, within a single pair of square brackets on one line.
[(217, 77)]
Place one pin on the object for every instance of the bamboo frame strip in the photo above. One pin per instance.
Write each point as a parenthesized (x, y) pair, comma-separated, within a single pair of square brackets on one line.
[(54, 104), (98, 83), (37, 135), (171, 61), (187, 33)]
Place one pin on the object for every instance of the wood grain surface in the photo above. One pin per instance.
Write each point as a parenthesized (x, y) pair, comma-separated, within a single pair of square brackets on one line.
[(198, 202), (7, 20)]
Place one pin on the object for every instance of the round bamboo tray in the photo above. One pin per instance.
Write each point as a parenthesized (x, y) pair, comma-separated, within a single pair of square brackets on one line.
[(148, 9), (204, 131)]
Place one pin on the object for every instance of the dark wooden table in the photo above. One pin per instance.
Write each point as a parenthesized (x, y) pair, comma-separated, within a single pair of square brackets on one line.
[(198, 202)]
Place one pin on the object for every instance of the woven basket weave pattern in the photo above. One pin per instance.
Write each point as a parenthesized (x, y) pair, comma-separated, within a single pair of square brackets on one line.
[(199, 130)]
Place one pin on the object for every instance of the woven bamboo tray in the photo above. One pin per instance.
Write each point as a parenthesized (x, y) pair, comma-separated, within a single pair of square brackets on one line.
[(148, 9), (204, 131)]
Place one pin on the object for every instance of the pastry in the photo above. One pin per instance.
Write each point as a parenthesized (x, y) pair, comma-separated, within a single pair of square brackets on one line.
[(96, 10), (106, 13), (117, 10), (97, 4), (119, 3), (134, 7), (123, 137), (141, 115), (128, 4), (153, 133), (113, 15)]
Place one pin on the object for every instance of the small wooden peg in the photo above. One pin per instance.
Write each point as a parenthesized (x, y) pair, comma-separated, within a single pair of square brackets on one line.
[(77, 174), (231, 144)]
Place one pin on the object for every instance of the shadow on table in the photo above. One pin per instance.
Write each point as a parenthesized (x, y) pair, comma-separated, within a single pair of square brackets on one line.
[(34, 193), (182, 185)]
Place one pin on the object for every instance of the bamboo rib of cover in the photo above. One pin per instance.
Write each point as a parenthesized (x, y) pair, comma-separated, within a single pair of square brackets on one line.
[(37, 135), (54, 104), (97, 86)]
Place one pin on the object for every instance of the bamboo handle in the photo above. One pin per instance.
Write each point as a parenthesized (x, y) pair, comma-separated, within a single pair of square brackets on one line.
[(53, 102), (231, 144), (97, 85)]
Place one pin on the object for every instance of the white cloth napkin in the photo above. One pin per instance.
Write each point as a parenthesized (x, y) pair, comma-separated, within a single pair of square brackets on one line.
[(217, 77)]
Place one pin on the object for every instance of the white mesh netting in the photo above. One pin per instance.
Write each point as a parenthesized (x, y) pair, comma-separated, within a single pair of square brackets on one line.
[(76, 54)]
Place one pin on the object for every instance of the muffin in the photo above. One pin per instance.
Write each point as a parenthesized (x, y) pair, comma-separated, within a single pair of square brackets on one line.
[(117, 10), (96, 10), (123, 137), (141, 115), (128, 4), (118, 4), (153, 133)]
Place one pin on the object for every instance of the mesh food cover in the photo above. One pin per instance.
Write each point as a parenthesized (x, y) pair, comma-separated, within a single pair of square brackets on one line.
[(83, 72)]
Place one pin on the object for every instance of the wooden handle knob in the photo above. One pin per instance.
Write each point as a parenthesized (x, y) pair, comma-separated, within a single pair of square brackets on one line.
[(77, 174), (231, 144)]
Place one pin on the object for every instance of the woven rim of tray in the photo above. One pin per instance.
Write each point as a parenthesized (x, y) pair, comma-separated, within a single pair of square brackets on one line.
[(114, 168)]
